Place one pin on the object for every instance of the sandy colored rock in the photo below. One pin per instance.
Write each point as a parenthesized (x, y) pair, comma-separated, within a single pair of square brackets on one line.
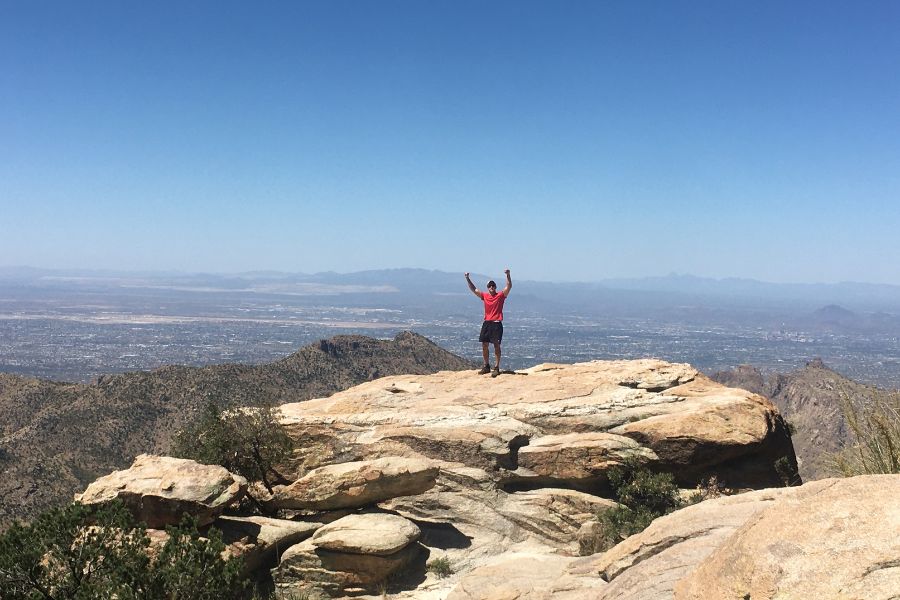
[(646, 565), (304, 568), (525, 577), (373, 533), (553, 516), (834, 538), (259, 541), (356, 484), (159, 490), (576, 459), (691, 425)]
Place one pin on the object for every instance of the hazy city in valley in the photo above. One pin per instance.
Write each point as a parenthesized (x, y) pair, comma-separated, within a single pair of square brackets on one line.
[(75, 327)]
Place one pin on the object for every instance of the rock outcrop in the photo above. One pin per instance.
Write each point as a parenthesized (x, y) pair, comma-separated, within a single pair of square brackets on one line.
[(378, 534), (160, 490), (503, 479), (835, 538), (524, 463), (352, 554), (260, 541), (357, 484), (553, 425)]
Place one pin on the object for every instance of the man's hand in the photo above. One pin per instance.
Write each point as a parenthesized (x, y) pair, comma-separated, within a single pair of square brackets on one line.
[(506, 271), (467, 275)]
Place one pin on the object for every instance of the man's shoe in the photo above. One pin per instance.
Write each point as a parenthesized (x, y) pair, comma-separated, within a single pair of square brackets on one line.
[(485, 370), (495, 372)]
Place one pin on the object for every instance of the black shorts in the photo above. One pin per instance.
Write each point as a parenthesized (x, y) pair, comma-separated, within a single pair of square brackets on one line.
[(491, 331)]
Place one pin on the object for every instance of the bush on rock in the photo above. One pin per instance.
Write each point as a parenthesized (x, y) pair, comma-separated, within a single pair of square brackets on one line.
[(246, 441), (642, 495)]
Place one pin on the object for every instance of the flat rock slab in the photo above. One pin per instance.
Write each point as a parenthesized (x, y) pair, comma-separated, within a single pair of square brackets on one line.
[(379, 534), (525, 577), (687, 423), (259, 541), (357, 484), (160, 490), (647, 565), (834, 538)]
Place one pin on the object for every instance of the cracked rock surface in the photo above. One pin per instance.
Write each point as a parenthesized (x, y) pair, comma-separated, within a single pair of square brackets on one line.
[(552, 425)]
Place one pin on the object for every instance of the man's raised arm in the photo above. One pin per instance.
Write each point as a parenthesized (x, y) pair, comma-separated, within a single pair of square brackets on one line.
[(472, 287), (508, 283)]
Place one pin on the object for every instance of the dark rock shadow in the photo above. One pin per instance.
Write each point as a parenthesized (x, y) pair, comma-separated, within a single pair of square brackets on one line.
[(442, 536)]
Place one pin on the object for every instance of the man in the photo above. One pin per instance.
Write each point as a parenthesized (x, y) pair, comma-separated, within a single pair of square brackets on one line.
[(492, 328)]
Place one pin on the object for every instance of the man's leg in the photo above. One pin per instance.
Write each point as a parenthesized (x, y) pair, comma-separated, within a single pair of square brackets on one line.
[(496, 370), (487, 358)]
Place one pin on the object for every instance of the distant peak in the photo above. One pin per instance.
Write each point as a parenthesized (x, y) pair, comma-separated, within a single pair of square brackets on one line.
[(816, 363)]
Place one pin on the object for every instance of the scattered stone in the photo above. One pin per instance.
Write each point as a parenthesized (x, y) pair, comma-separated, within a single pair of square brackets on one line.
[(160, 490)]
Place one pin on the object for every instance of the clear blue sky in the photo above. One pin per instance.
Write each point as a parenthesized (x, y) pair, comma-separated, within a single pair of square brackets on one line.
[(566, 140)]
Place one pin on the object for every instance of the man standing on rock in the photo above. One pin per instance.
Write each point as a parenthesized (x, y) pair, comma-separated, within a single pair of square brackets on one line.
[(492, 328)]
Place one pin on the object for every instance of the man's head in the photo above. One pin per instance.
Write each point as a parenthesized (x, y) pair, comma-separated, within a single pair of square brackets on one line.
[(492, 287)]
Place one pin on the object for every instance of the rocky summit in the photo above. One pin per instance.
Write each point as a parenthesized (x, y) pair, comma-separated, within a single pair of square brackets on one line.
[(455, 486), (552, 426)]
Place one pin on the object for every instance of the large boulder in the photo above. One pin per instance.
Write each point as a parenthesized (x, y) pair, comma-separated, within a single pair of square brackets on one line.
[(160, 490), (375, 533), (580, 420), (307, 569), (357, 484), (579, 460), (834, 538)]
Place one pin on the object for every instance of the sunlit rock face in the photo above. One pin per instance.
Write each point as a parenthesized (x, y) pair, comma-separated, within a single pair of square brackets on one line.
[(159, 490), (554, 425)]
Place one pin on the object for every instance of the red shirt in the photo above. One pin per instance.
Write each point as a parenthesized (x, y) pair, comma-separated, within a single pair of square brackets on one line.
[(493, 306)]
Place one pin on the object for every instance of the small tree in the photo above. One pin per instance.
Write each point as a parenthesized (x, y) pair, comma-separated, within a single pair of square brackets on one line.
[(247, 441)]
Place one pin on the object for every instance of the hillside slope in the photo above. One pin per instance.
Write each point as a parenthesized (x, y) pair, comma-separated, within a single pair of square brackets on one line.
[(810, 399), (57, 437)]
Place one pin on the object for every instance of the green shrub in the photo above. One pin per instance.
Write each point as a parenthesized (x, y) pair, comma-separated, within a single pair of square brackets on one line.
[(642, 495), (82, 554), (874, 421), (246, 441), (440, 566)]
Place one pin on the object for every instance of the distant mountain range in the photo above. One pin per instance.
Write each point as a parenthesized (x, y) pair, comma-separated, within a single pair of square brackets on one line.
[(57, 437), (856, 296)]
